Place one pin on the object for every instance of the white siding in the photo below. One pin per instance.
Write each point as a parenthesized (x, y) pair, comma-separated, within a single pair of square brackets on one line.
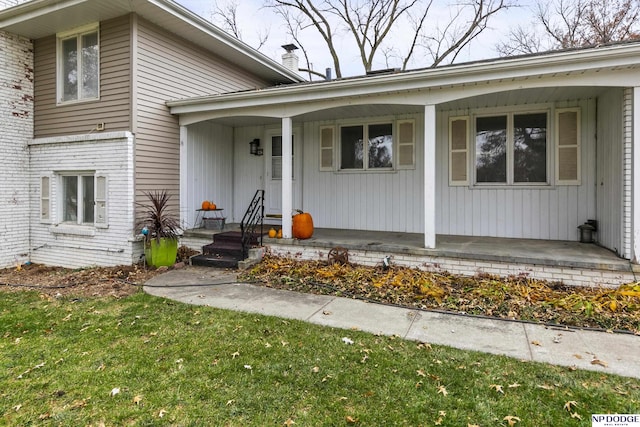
[(16, 129), (109, 155), (249, 170), (610, 180), (627, 173), (385, 201), (209, 169), (547, 213)]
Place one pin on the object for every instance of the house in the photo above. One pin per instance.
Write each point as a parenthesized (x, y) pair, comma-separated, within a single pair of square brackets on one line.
[(85, 127), (528, 147)]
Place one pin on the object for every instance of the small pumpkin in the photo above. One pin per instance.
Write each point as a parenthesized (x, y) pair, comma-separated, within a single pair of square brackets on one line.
[(302, 225), (279, 233), (206, 205), (272, 232), (212, 206)]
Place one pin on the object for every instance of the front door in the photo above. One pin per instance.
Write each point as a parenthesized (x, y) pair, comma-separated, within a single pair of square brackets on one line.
[(273, 167)]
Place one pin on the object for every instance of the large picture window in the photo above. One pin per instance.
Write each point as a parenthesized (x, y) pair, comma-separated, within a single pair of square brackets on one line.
[(78, 65), (511, 149), (377, 153)]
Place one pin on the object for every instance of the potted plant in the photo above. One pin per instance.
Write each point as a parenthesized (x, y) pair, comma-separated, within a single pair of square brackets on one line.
[(160, 228)]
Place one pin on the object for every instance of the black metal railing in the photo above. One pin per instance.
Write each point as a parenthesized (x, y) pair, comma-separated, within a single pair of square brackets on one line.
[(250, 221)]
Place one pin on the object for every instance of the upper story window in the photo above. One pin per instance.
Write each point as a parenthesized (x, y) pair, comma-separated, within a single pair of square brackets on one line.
[(78, 64)]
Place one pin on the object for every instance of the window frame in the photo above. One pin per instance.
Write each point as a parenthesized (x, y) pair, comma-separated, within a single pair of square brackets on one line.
[(510, 148), (76, 33), (365, 138), (79, 175)]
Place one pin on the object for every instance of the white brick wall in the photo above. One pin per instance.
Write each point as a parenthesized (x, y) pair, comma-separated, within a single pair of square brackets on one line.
[(466, 267), (16, 130), (108, 154)]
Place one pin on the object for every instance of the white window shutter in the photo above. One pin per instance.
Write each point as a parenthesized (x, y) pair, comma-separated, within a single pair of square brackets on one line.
[(568, 146), (45, 199), (327, 143), (458, 151), (101, 202), (406, 144)]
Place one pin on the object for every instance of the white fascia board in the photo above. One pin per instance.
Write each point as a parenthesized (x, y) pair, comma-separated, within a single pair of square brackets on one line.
[(448, 76)]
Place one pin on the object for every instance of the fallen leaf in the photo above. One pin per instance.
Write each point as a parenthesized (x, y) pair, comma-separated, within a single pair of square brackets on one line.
[(473, 425), (534, 342), (438, 422), (600, 362), (442, 413), (570, 404), (289, 422), (545, 386), (577, 356), (115, 391), (514, 385), (421, 373), (235, 354), (576, 415), (351, 420), (137, 399), (511, 420), (230, 402), (497, 387), (17, 407), (315, 369), (267, 345), (326, 312), (443, 390), (162, 413), (346, 340)]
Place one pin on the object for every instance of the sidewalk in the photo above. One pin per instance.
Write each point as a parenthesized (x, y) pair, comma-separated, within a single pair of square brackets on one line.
[(610, 353)]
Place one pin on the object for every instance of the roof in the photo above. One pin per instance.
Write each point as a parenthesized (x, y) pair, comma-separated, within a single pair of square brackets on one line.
[(611, 65), (41, 18)]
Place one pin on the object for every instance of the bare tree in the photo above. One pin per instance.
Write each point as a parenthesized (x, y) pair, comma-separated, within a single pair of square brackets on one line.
[(372, 25), (563, 24), (225, 14)]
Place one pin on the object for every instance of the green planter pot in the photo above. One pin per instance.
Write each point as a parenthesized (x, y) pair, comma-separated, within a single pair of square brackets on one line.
[(163, 253)]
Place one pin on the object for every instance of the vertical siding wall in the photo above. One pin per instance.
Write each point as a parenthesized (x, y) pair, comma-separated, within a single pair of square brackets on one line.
[(171, 68), (385, 201), (209, 169), (547, 213), (110, 155), (610, 144), (113, 107), (16, 130)]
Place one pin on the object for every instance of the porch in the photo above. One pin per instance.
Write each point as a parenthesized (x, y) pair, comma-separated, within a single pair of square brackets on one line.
[(571, 262)]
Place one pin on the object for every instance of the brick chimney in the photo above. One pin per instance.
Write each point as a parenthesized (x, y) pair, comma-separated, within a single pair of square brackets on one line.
[(290, 59)]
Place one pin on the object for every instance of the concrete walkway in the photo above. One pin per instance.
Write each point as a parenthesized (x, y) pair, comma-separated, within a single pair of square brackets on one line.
[(583, 349)]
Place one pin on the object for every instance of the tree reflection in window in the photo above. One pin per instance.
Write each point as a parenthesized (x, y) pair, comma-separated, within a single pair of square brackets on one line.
[(530, 147), (491, 149), (380, 146)]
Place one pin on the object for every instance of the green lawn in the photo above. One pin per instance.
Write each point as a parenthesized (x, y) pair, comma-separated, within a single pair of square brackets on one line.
[(62, 361)]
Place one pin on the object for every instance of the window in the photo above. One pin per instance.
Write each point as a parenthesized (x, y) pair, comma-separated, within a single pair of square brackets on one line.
[(511, 149), (276, 157), (78, 64), (378, 152), (83, 199)]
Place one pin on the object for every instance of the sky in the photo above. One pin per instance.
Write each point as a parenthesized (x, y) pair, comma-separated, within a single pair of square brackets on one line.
[(253, 18)]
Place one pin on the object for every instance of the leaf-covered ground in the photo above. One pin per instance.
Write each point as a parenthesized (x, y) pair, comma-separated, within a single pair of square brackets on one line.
[(516, 297)]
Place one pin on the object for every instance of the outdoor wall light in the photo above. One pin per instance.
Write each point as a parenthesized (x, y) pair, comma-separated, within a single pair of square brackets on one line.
[(254, 147)]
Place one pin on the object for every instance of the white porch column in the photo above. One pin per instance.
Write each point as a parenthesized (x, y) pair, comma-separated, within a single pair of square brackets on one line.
[(429, 176), (287, 181), (635, 167), (184, 199)]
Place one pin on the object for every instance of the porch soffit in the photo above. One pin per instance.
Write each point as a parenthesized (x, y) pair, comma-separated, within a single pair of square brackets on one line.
[(41, 18)]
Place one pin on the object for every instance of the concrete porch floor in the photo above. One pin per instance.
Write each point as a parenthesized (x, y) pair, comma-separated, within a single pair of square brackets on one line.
[(517, 251)]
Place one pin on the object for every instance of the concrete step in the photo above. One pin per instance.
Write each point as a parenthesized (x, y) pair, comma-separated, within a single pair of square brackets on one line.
[(231, 249)]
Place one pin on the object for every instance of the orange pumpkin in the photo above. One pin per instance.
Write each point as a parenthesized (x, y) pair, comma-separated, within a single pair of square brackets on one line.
[(272, 232), (302, 225), (212, 206), (279, 233), (205, 205)]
